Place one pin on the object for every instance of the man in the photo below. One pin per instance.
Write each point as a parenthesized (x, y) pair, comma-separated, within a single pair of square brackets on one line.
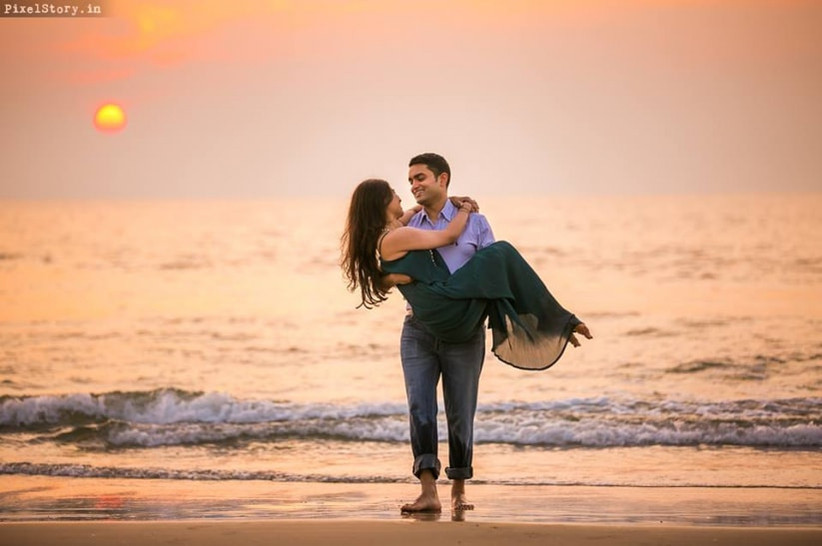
[(426, 358)]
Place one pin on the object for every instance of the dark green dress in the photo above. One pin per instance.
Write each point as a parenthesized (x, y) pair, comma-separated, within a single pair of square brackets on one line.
[(530, 328)]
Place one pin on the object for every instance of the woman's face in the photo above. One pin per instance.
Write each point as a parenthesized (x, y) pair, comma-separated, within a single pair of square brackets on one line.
[(395, 206)]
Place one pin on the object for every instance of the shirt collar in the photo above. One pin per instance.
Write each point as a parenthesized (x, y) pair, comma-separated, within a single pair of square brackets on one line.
[(447, 212)]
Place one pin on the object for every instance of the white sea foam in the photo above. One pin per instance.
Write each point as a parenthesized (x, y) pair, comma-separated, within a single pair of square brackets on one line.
[(168, 406), (173, 417)]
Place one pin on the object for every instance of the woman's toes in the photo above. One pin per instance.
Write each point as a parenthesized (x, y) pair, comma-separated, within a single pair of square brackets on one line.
[(574, 341), (583, 329)]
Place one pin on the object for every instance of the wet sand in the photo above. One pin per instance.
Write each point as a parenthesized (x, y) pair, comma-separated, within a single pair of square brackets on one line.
[(400, 533), (40, 500)]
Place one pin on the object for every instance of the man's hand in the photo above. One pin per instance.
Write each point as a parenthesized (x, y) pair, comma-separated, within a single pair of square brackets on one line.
[(458, 201), (391, 280)]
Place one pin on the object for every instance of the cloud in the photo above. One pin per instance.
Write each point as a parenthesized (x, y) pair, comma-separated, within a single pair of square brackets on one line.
[(163, 33)]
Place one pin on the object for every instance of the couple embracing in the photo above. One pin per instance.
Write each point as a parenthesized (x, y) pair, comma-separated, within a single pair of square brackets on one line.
[(442, 257)]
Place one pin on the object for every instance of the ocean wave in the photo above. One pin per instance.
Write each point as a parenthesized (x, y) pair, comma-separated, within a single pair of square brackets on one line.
[(91, 471), (168, 417), (167, 406), (67, 470)]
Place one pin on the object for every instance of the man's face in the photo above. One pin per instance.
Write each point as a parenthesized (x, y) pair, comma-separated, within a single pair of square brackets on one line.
[(425, 187)]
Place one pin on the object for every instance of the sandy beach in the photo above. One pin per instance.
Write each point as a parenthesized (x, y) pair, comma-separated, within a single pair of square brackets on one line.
[(182, 360), (198, 404), (399, 533)]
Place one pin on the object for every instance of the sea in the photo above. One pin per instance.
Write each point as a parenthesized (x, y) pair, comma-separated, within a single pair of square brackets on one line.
[(153, 351)]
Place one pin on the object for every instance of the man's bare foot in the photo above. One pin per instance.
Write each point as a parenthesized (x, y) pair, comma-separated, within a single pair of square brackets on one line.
[(458, 500), (424, 503), (581, 328), (429, 500)]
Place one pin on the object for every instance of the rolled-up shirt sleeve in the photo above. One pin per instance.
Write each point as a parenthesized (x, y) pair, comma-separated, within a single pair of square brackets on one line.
[(485, 235)]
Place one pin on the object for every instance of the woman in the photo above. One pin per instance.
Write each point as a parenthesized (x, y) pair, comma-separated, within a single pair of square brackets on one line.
[(530, 328)]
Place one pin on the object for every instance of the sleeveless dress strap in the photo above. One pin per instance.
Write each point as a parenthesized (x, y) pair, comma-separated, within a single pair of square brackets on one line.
[(379, 242)]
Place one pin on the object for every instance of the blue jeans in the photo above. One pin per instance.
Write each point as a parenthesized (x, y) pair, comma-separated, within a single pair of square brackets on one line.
[(424, 359)]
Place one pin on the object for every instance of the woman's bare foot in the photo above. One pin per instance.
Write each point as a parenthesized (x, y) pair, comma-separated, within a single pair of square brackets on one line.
[(458, 500), (581, 328)]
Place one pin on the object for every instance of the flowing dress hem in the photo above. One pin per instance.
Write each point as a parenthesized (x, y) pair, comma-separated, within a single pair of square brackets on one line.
[(572, 321)]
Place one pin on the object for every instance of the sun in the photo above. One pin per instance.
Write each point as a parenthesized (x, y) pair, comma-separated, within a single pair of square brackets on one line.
[(110, 118)]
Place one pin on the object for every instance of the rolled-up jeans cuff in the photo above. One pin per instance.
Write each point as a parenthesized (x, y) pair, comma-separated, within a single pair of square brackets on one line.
[(460, 473), (428, 461)]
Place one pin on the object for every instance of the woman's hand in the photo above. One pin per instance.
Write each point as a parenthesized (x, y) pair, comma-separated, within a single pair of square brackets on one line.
[(407, 215), (458, 201)]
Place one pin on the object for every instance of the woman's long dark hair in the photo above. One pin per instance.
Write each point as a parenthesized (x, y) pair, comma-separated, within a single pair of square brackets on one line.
[(365, 224)]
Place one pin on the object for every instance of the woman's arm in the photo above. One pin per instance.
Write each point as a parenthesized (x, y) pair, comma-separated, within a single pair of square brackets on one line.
[(457, 201), (407, 215), (399, 241)]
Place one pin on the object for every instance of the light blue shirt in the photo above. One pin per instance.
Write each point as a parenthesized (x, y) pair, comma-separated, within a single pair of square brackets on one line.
[(477, 235)]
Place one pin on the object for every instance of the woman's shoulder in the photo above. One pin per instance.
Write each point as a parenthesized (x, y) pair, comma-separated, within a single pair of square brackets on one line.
[(396, 237), (379, 242)]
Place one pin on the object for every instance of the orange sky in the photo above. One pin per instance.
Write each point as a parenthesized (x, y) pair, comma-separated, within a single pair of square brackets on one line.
[(292, 97)]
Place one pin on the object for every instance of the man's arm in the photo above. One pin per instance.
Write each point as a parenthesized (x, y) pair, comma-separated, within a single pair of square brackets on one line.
[(485, 235)]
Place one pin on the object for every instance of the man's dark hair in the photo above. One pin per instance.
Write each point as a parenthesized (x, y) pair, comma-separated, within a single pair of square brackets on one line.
[(435, 162)]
